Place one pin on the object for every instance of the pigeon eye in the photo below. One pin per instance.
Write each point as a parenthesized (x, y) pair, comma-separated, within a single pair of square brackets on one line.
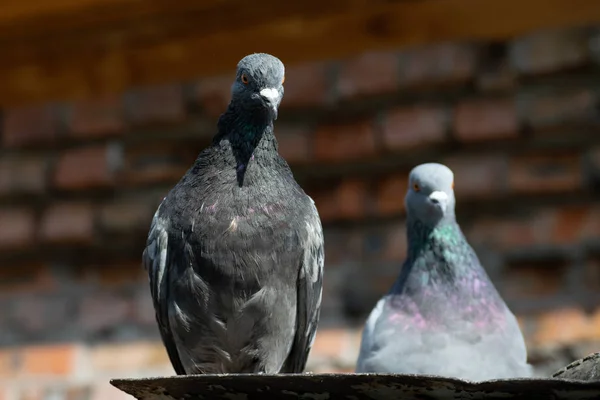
[(452, 185), (283, 80), (416, 187), (245, 79)]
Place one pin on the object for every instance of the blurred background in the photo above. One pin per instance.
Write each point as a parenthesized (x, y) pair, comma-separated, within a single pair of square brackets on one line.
[(105, 104)]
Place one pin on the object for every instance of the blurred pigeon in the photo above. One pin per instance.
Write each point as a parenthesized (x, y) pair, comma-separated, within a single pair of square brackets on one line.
[(235, 250), (584, 369), (443, 315)]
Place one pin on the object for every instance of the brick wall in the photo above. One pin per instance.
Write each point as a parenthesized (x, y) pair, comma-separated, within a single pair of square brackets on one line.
[(518, 122)]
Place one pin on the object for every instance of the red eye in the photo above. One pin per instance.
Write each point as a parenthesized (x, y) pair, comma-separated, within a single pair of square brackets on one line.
[(416, 187), (245, 79), (283, 80), (452, 184)]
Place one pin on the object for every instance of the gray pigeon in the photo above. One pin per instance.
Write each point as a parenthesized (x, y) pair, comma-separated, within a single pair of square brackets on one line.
[(443, 315), (235, 250)]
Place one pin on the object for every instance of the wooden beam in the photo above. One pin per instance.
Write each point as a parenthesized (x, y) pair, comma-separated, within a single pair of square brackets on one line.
[(117, 51)]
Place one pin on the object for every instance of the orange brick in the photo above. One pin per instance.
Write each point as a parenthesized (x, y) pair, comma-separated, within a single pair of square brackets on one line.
[(566, 326), (8, 366), (51, 360), (569, 226), (330, 343), (130, 357)]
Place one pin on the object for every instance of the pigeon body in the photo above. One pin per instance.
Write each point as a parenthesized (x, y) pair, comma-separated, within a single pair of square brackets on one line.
[(235, 250), (443, 316)]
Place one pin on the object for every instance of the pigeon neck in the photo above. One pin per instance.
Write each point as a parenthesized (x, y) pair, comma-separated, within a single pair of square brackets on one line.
[(250, 136), (445, 233)]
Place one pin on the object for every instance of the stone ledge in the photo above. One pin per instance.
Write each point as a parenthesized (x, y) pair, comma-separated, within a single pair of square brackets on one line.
[(350, 386)]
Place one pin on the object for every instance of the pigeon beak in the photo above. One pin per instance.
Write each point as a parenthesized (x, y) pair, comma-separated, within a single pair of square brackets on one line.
[(440, 199), (272, 96)]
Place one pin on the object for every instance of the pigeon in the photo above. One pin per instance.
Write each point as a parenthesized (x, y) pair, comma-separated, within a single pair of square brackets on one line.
[(442, 316), (235, 250)]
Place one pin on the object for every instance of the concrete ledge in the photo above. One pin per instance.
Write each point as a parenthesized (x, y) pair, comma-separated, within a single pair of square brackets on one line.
[(350, 386)]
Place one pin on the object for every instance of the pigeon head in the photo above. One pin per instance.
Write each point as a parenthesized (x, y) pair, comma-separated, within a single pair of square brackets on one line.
[(430, 195), (258, 85)]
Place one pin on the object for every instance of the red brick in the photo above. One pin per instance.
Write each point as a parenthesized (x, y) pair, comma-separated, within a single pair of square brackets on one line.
[(549, 51), (306, 85), (23, 174), (496, 75), (214, 94), (157, 104), (545, 173), (478, 176), (591, 229), (50, 360), (28, 126), (391, 191), (477, 120), (68, 223), (113, 275), (346, 200), (438, 64), (127, 215), (345, 141), (594, 160), (547, 110), (97, 118), (294, 143), (406, 128), (17, 228), (88, 167), (35, 314), (343, 246), (514, 232), (158, 162), (28, 278), (143, 309), (395, 247), (352, 199), (566, 326), (570, 224), (103, 310), (591, 275), (527, 281), (368, 74)]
